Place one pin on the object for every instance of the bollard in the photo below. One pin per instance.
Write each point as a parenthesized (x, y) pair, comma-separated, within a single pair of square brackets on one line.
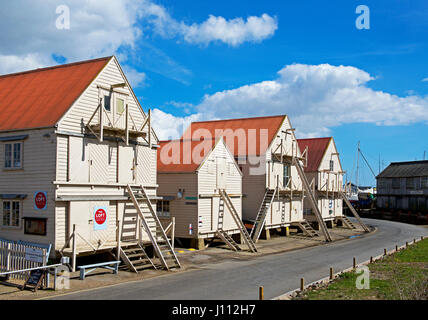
[(261, 293), (371, 259), (302, 284), (407, 244), (354, 262), (384, 252), (331, 274), (396, 248)]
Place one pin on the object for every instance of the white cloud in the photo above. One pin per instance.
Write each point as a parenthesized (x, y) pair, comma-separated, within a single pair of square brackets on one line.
[(425, 80), (317, 98), (168, 126), (232, 32)]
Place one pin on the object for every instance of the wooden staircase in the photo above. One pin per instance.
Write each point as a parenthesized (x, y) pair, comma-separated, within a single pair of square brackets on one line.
[(346, 222), (312, 199), (152, 226), (226, 238), (224, 198), (261, 215), (354, 212), (135, 257), (306, 228)]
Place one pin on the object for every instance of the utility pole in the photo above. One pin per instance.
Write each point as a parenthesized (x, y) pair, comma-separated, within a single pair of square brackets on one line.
[(358, 165)]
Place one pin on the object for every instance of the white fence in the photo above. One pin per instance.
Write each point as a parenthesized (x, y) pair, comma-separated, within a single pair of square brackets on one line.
[(16, 256)]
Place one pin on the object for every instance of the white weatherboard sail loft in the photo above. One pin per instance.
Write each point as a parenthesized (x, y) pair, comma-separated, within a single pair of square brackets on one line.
[(80, 157), (204, 193), (274, 184)]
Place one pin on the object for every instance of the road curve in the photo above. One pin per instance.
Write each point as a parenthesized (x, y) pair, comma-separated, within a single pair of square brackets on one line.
[(278, 273)]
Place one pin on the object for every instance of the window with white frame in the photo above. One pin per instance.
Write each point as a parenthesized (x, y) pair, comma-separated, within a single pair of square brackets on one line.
[(107, 102), (162, 209), (331, 165), (11, 213), (120, 105), (13, 155)]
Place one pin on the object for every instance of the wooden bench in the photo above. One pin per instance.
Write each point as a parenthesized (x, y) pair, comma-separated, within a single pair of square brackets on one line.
[(111, 265)]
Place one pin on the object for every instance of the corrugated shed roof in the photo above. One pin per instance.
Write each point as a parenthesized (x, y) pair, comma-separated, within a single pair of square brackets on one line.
[(252, 128), (316, 150), (183, 155), (39, 98), (405, 169)]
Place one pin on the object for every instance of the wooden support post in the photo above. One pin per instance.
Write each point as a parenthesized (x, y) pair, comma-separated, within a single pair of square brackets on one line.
[(74, 249), (407, 244), (396, 248), (118, 239), (102, 121), (371, 259), (127, 125), (384, 252), (331, 273), (261, 293), (302, 284), (354, 262), (150, 128), (173, 233)]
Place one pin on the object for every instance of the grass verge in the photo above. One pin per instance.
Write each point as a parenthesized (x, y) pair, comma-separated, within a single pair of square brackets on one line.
[(400, 276)]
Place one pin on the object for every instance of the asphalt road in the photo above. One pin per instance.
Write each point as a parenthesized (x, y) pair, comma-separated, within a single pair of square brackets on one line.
[(278, 273)]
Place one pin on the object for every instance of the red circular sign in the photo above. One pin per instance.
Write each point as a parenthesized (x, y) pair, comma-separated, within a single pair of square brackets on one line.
[(40, 200), (100, 216)]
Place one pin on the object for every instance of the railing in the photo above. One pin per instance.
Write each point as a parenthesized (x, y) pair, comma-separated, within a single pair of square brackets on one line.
[(15, 256)]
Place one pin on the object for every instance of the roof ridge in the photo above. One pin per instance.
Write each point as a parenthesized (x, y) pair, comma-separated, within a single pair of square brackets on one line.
[(318, 138), (247, 118), (55, 67)]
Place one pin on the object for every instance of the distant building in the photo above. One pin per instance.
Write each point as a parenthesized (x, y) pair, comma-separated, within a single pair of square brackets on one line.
[(403, 185)]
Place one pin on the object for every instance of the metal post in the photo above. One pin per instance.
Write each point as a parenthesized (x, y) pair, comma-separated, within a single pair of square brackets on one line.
[(74, 249)]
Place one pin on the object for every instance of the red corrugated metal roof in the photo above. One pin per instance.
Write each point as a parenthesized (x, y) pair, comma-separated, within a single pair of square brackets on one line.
[(251, 127), (39, 98), (183, 155), (316, 150)]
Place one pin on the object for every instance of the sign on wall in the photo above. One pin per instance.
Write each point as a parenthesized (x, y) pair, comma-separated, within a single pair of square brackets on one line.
[(100, 218), (40, 200)]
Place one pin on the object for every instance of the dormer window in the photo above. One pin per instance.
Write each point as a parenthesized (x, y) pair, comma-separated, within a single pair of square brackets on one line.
[(107, 102)]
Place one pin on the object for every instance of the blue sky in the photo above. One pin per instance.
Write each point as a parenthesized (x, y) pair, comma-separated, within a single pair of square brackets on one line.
[(288, 62)]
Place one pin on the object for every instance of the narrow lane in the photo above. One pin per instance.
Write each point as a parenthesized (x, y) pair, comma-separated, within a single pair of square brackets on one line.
[(278, 273)]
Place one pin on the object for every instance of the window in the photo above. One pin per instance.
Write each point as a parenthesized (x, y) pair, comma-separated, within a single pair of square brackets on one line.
[(107, 102), (286, 175), (120, 105), (13, 155), (331, 165), (162, 209), (410, 183), (11, 213), (424, 182), (395, 183)]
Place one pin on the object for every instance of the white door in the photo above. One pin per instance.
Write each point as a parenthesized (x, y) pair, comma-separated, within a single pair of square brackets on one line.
[(99, 162), (78, 160), (221, 173), (126, 164)]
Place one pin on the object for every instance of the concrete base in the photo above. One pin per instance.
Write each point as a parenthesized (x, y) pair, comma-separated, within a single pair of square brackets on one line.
[(237, 237), (265, 235), (198, 244), (285, 231)]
